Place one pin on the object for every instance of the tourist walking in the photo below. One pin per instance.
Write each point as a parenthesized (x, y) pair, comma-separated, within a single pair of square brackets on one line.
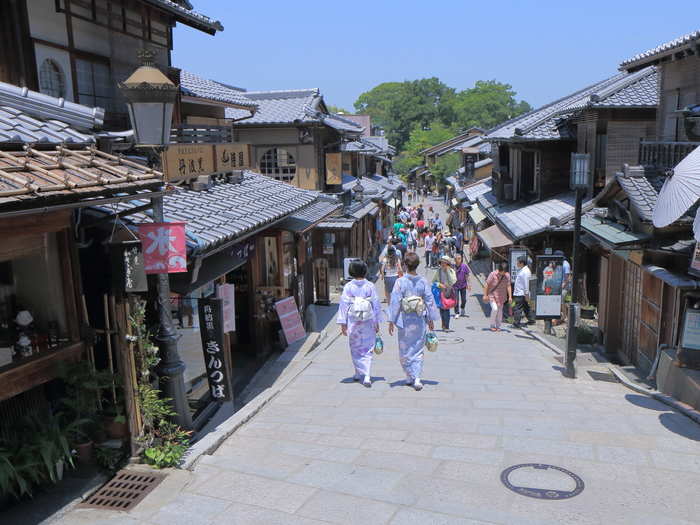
[(496, 293), (429, 239), (462, 287), (413, 311), (445, 279), (412, 238), (391, 269), (521, 294), (359, 315)]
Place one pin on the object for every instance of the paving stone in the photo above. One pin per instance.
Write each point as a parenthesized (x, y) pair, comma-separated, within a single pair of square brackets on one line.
[(239, 514), (469, 455), (344, 509), (425, 517), (627, 456), (399, 462)]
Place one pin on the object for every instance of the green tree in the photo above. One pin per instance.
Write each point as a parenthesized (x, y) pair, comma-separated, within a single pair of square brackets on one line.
[(337, 109), (399, 107), (420, 139), (485, 105)]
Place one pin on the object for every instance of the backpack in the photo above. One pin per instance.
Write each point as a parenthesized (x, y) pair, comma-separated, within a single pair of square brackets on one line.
[(361, 309)]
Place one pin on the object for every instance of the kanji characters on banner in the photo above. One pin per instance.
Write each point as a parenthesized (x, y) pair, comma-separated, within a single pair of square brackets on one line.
[(164, 248)]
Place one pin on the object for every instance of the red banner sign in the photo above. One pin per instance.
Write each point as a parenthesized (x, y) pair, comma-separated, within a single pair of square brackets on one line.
[(164, 248), (290, 320)]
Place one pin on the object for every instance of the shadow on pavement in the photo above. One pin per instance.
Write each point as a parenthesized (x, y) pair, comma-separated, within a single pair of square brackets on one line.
[(350, 380), (681, 425), (485, 308), (402, 382), (646, 402)]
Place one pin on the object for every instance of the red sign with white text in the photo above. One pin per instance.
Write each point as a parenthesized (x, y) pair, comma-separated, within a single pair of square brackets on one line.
[(164, 247), (290, 320)]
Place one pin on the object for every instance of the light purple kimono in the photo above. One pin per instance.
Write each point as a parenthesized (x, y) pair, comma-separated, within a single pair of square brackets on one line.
[(412, 327), (361, 334)]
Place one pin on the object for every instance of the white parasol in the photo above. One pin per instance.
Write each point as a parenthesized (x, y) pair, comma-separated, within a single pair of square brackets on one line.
[(680, 191), (696, 225)]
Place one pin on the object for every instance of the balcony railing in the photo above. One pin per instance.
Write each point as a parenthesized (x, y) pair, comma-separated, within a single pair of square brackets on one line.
[(201, 134), (664, 154)]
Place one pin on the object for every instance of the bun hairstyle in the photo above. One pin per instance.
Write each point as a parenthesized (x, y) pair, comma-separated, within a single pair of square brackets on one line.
[(357, 269)]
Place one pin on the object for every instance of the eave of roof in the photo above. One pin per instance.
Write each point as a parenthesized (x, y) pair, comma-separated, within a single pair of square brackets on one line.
[(188, 16), (202, 89), (691, 42)]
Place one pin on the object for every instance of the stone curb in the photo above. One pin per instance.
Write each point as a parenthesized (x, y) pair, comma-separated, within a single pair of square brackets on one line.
[(655, 394)]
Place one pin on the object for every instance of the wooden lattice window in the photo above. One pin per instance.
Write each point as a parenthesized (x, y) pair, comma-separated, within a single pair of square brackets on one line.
[(278, 163), (52, 81)]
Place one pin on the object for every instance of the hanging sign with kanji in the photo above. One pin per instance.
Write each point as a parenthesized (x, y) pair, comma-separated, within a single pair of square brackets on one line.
[(211, 330), (290, 320), (164, 248)]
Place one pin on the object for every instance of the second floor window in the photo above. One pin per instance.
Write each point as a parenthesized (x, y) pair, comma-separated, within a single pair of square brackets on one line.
[(94, 85), (278, 163), (52, 81)]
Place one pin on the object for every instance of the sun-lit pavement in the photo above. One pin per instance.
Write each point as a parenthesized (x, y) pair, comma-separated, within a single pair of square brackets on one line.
[(327, 450)]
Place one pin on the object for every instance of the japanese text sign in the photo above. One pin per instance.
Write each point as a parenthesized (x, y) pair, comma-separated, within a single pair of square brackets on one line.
[(290, 320), (164, 248), (212, 333), (227, 294), (232, 156), (187, 161)]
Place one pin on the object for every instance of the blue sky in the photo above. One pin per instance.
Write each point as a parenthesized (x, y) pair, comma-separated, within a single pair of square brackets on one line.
[(544, 49)]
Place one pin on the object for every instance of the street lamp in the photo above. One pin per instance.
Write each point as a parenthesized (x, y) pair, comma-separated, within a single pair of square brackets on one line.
[(150, 98), (580, 182), (358, 191)]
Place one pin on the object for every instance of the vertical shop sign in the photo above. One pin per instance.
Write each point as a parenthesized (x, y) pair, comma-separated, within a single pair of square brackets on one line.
[(290, 320), (164, 248), (227, 294), (211, 330), (128, 274)]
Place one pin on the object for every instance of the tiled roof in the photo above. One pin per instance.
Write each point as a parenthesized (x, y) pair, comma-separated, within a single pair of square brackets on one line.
[(342, 124), (389, 183), (34, 178), (337, 223), (17, 127), (39, 105), (307, 217), (380, 142), (371, 187), (662, 50), (188, 16), (228, 210), (523, 221), (360, 210), (474, 191), (642, 190), (279, 107), (610, 231), (550, 122), (195, 86)]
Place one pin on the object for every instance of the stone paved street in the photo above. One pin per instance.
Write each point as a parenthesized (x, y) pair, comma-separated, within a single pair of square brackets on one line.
[(327, 450)]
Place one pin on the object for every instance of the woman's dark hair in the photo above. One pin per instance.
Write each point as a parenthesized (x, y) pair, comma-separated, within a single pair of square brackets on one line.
[(522, 260), (357, 269), (410, 226), (503, 267), (411, 260)]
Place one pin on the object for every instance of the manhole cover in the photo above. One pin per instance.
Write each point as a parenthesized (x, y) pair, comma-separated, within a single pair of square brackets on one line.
[(124, 491), (537, 480), (450, 340)]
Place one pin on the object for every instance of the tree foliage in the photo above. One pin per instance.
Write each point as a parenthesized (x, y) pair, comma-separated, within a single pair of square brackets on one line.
[(337, 109), (417, 114)]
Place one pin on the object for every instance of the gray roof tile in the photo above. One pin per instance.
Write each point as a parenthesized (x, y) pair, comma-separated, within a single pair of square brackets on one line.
[(17, 127), (185, 14), (32, 105), (643, 191), (311, 214), (279, 107), (660, 50), (550, 122), (195, 86)]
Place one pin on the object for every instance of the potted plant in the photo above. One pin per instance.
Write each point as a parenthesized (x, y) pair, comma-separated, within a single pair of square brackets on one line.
[(114, 417)]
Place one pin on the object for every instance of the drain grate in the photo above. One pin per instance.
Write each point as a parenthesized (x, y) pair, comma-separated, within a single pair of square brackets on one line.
[(603, 376), (124, 491)]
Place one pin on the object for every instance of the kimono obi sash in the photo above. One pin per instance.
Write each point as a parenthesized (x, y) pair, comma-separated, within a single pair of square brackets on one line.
[(361, 309), (412, 302)]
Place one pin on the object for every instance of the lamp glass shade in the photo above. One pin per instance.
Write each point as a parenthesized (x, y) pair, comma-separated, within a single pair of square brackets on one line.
[(580, 171), (151, 121)]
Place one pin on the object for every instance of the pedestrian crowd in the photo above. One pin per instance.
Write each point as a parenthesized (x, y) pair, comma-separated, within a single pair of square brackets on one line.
[(414, 304)]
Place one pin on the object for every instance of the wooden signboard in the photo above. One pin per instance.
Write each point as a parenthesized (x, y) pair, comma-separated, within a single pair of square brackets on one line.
[(695, 261), (186, 161), (231, 157), (334, 168)]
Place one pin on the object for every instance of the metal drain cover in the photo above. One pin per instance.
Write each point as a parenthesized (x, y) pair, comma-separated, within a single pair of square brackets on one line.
[(124, 491), (450, 340), (537, 480)]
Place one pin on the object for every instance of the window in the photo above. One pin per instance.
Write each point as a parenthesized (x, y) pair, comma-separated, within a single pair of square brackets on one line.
[(278, 163), (94, 83), (52, 81)]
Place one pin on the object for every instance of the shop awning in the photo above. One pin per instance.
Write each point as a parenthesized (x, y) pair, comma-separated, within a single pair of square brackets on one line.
[(476, 215), (493, 237), (673, 279)]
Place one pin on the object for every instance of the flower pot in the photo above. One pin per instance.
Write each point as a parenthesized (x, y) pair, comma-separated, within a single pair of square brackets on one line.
[(115, 429), (84, 452)]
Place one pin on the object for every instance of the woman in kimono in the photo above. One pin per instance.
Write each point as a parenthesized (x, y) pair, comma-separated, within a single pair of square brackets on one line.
[(413, 311), (359, 315)]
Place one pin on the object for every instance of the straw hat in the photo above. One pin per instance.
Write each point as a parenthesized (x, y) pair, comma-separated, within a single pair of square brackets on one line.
[(449, 260)]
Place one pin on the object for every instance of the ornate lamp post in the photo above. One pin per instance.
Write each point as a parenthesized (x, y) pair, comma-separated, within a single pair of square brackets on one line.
[(358, 191), (150, 98), (581, 183)]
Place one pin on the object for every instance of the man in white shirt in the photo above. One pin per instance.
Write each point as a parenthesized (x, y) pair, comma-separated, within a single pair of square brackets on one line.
[(521, 293)]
